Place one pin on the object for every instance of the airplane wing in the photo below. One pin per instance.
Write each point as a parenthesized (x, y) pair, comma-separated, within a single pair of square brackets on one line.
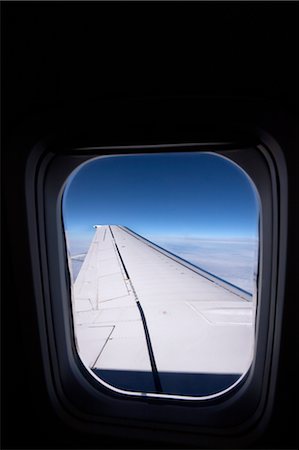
[(148, 321)]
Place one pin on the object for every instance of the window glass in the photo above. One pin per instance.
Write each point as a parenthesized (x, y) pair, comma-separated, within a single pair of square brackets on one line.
[(163, 252)]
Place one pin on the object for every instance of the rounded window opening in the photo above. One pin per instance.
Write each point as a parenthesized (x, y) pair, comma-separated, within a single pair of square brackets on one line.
[(163, 256)]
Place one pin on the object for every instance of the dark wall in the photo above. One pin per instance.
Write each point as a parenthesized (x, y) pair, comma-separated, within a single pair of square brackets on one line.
[(60, 60), (64, 53)]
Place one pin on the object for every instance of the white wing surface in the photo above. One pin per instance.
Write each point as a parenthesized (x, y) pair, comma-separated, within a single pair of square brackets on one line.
[(147, 321)]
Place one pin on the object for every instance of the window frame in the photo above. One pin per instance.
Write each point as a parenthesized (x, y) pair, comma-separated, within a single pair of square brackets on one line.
[(221, 418)]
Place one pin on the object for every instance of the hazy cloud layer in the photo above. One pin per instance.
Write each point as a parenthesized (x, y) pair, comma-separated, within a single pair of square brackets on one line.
[(77, 246)]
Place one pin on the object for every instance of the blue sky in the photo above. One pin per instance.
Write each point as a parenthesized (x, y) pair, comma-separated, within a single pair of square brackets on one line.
[(183, 195)]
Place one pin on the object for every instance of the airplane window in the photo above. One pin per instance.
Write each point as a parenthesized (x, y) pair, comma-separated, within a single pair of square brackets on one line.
[(163, 257)]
